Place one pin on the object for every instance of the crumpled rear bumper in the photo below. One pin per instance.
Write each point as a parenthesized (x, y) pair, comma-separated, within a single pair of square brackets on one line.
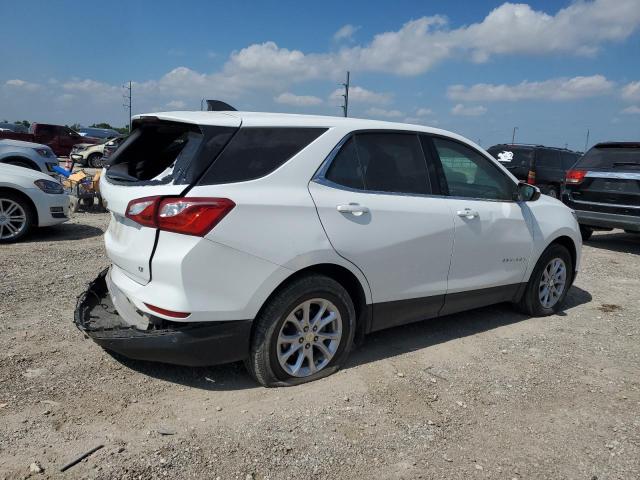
[(191, 344)]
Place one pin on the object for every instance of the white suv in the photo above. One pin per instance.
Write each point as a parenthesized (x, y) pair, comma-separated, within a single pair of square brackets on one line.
[(282, 239)]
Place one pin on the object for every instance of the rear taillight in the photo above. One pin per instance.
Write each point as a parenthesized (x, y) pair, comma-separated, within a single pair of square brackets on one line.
[(531, 177), (189, 216), (575, 176), (167, 313)]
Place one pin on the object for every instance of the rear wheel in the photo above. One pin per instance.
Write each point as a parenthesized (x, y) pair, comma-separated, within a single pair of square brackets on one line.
[(16, 217), (552, 191), (303, 333), (95, 160), (549, 283), (585, 232)]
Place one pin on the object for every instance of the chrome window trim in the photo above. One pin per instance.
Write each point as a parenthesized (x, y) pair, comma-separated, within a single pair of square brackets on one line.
[(321, 179)]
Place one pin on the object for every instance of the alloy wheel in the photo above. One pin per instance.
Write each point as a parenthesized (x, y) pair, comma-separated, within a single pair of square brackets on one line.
[(552, 282), (13, 219), (309, 337)]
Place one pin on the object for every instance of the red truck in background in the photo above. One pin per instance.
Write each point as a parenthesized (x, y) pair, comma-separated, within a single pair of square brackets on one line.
[(60, 138)]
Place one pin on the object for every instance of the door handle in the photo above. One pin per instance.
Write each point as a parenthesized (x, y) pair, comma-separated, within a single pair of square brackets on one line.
[(353, 208), (467, 213)]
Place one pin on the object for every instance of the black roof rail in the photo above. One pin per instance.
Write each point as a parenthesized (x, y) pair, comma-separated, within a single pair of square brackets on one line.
[(534, 145)]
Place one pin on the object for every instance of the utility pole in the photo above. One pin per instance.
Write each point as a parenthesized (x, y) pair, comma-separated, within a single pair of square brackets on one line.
[(586, 142), (345, 95), (127, 100), (513, 136)]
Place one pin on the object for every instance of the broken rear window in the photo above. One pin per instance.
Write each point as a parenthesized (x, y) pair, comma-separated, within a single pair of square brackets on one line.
[(163, 152)]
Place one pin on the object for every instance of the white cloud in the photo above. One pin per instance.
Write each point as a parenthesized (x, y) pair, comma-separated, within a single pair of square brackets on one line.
[(424, 112), (362, 95), (288, 98), (22, 84), (345, 32), (632, 110), (381, 112), (631, 91), (554, 89), (474, 111), (177, 104)]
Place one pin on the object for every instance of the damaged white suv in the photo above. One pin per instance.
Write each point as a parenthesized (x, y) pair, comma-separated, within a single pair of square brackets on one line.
[(282, 239)]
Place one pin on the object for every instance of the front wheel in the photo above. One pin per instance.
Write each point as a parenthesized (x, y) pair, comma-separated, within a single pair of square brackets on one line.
[(549, 283), (552, 191), (16, 217), (95, 160), (303, 333)]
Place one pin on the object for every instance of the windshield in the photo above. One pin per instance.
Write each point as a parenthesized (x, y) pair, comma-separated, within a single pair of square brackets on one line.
[(611, 157)]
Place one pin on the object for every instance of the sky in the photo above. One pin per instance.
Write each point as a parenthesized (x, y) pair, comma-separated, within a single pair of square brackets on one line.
[(553, 69)]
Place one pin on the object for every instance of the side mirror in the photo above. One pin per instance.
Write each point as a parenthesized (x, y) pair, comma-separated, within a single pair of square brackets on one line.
[(526, 193)]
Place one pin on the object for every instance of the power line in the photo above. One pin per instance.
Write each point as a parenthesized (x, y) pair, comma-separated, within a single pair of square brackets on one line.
[(127, 100)]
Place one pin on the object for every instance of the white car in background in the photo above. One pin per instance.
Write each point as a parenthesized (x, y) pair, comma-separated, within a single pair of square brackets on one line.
[(279, 239), (28, 199)]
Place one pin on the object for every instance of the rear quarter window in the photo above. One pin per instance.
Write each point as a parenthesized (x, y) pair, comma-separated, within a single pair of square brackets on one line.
[(254, 152)]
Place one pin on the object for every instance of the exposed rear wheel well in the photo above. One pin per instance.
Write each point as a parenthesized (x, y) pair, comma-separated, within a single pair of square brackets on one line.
[(27, 200), (345, 278)]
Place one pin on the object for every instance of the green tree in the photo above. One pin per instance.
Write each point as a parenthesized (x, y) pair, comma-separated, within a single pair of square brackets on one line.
[(26, 123), (101, 125)]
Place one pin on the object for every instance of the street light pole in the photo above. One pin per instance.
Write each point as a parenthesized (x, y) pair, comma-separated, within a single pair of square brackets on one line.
[(513, 135), (345, 106)]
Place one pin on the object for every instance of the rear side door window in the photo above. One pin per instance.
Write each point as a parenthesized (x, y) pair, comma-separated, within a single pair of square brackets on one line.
[(381, 162), (254, 152), (469, 174)]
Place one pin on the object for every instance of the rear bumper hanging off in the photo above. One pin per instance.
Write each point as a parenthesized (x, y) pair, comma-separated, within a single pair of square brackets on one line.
[(191, 344)]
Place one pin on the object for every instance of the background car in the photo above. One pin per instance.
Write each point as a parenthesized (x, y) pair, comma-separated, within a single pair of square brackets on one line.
[(538, 165), (59, 137), (110, 147), (604, 188), (29, 155), (13, 127), (98, 132), (87, 154), (29, 199)]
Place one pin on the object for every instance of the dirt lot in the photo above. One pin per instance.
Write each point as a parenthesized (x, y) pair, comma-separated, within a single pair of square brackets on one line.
[(485, 394)]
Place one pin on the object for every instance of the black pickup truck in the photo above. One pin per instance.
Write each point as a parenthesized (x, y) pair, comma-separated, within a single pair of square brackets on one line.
[(604, 188)]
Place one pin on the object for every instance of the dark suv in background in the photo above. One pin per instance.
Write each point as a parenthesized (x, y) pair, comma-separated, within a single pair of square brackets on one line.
[(538, 165), (604, 188)]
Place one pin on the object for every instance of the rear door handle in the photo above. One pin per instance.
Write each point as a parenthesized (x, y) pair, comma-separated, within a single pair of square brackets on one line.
[(467, 213), (353, 208)]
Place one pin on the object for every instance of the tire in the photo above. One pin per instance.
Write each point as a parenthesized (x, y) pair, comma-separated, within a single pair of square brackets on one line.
[(552, 191), (94, 160), (532, 302), (16, 207), (585, 232), (282, 317)]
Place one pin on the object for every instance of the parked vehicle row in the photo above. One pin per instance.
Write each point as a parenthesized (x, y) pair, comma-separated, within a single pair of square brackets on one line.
[(279, 239), (58, 137)]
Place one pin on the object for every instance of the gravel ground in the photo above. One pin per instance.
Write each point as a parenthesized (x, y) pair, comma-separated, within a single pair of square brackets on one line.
[(484, 394)]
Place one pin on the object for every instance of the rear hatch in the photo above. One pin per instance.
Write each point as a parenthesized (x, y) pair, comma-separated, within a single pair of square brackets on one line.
[(518, 160), (161, 157), (607, 179)]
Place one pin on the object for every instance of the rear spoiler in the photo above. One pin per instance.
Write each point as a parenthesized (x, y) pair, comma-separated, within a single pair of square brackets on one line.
[(219, 106)]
